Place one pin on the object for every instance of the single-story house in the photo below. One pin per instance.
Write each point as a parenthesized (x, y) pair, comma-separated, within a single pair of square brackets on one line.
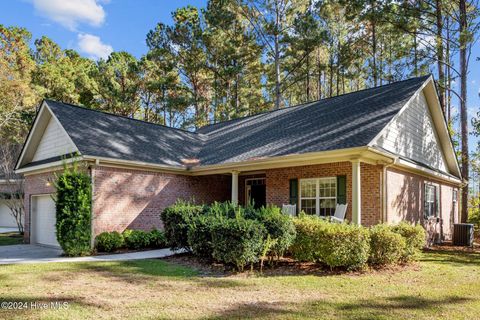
[(385, 152)]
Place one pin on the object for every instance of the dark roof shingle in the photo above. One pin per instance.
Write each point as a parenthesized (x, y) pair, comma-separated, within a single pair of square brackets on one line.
[(345, 121)]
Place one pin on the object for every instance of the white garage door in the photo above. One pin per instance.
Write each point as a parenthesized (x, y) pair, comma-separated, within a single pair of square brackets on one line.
[(43, 221), (6, 218)]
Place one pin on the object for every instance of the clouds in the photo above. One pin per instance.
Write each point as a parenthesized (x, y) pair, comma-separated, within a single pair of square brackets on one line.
[(93, 46), (70, 13)]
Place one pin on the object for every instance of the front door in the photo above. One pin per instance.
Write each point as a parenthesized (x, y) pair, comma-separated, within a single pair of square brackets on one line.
[(256, 192)]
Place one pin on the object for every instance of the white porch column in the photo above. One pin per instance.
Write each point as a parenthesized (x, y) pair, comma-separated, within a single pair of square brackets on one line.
[(356, 193), (235, 187)]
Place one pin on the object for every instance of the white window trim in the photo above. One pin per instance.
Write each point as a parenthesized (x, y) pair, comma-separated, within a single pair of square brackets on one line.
[(436, 200), (317, 197)]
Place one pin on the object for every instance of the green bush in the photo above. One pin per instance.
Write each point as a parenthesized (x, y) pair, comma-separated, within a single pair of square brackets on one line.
[(200, 235), (386, 246), (157, 239), (415, 239), (73, 211), (176, 220), (136, 239), (334, 244), (109, 241), (237, 241), (280, 227)]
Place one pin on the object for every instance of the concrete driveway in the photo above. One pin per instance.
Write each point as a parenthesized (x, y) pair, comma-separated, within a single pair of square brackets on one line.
[(22, 253), (29, 253)]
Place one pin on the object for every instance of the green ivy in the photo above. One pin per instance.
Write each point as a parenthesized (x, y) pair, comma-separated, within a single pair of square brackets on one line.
[(73, 211)]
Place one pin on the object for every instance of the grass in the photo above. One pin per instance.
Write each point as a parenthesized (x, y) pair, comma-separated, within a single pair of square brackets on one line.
[(10, 238), (441, 285)]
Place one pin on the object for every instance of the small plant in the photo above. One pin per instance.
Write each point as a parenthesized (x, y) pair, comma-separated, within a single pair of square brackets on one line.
[(136, 239), (238, 241), (200, 235), (157, 239), (109, 241), (176, 222), (386, 246), (415, 239), (280, 228), (334, 244)]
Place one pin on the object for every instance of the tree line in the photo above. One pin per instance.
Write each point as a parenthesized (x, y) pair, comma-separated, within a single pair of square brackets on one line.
[(239, 57)]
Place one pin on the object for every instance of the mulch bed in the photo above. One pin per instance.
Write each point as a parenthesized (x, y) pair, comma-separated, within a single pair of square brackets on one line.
[(284, 267), (448, 246)]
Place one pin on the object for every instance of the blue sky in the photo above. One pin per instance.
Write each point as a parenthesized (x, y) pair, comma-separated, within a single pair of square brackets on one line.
[(96, 27)]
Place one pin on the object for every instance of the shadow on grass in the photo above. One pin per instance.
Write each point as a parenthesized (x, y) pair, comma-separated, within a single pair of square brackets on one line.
[(323, 309), (140, 272), (453, 258)]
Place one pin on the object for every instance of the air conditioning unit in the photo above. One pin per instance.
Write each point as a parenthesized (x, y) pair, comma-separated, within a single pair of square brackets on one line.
[(463, 234)]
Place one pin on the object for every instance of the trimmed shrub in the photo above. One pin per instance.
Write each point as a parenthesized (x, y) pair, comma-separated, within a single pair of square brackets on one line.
[(200, 235), (157, 239), (280, 227), (334, 244), (237, 241), (224, 209), (109, 241), (176, 220), (386, 246), (73, 211), (415, 239), (136, 239)]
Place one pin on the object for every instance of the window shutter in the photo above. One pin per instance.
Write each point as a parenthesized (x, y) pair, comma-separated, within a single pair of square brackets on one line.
[(341, 189), (294, 192), (437, 201)]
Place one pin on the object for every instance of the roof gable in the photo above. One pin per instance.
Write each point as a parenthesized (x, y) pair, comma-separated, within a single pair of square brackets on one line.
[(106, 135), (419, 133), (46, 140)]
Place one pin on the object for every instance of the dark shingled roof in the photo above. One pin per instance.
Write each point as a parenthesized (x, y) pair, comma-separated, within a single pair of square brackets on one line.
[(101, 134), (345, 121)]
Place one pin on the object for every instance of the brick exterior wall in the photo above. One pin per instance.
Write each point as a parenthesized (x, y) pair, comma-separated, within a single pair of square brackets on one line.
[(125, 198), (405, 194), (35, 185), (134, 199), (277, 181)]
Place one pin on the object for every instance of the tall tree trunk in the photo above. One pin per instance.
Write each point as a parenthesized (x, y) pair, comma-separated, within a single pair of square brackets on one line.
[(448, 71), (463, 105), (415, 53), (308, 77), (277, 56), (440, 57)]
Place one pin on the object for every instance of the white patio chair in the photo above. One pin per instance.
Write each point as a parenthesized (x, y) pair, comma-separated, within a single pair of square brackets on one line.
[(290, 209), (339, 215)]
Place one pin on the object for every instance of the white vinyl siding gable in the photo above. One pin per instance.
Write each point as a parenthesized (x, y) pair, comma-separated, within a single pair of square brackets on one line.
[(412, 135), (53, 143)]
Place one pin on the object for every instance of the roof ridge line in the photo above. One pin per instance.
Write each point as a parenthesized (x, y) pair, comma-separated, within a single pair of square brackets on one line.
[(309, 102)]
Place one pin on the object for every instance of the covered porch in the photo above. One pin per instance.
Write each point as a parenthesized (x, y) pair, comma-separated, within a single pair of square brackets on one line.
[(315, 189)]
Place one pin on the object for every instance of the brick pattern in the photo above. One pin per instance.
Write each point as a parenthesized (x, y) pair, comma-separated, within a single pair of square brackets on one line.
[(35, 185), (405, 194), (134, 199), (277, 181)]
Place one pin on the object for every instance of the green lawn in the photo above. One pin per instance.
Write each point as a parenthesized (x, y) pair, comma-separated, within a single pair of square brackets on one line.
[(442, 285), (10, 238)]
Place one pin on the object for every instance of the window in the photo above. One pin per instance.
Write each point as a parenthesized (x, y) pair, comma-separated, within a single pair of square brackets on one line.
[(431, 201), (455, 196), (318, 196)]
